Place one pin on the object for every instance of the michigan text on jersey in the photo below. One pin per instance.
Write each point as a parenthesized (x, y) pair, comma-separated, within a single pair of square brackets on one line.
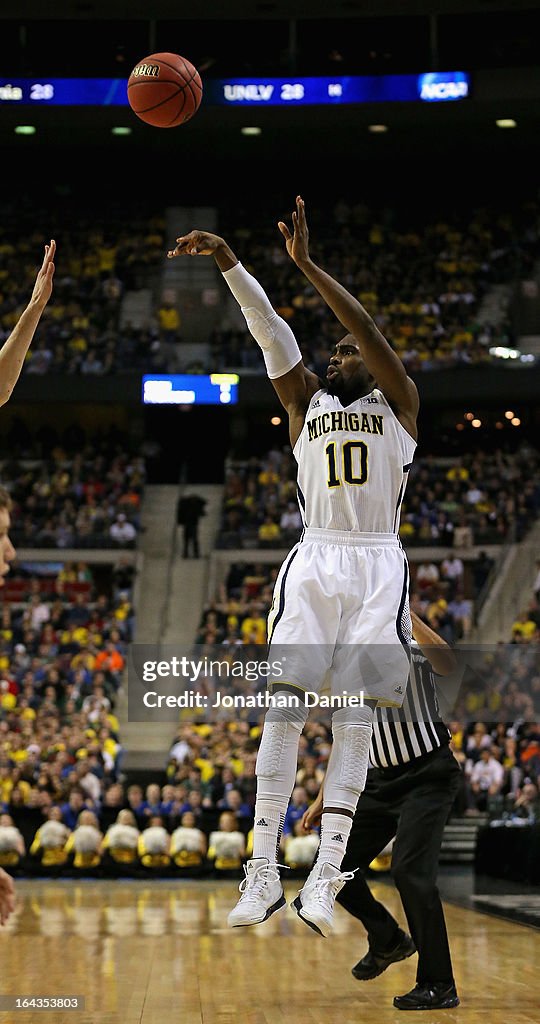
[(327, 422)]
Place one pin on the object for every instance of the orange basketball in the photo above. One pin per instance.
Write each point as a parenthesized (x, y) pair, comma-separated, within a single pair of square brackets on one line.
[(164, 90)]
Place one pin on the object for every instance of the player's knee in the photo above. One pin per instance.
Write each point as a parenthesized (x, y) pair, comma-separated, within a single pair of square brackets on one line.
[(282, 728), (351, 729), (361, 715)]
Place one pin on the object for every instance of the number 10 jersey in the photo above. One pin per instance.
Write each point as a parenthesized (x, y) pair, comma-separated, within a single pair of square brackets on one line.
[(353, 464)]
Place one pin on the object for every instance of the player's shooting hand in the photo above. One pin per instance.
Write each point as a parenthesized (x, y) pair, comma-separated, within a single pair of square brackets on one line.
[(312, 817), (297, 243), (196, 243), (44, 281), (7, 896)]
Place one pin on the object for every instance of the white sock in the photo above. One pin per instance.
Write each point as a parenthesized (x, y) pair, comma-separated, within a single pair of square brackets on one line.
[(335, 831), (268, 828)]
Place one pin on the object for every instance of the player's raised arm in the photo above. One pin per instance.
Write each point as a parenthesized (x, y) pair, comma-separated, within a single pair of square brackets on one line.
[(293, 382), (380, 359), (13, 353)]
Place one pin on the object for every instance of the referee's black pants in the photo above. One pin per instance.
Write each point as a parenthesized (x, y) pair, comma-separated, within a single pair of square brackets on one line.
[(411, 802)]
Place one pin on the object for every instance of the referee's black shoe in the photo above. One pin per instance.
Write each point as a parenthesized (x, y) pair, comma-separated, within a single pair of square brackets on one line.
[(373, 964), (429, 995)]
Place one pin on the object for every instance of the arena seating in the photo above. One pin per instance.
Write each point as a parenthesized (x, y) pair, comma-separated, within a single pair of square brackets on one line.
[(98, 260), (423, 280), (448, 502), (64, 631), (431, 311), (88, 497)]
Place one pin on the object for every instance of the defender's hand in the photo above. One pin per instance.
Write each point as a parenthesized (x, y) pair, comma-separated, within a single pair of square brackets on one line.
[(44, 281)]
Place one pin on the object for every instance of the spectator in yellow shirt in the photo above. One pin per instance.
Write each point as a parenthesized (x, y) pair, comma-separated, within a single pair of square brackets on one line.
[(168, 318), (457, 473), (84, 843), (269, 531), (227, 845), (153, 846), (121, 839), (188, 843), (6, 783), (524, 627), (49, 843), (253, 628)]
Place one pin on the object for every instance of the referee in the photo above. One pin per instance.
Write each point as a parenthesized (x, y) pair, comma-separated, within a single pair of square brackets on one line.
[(409, 794)]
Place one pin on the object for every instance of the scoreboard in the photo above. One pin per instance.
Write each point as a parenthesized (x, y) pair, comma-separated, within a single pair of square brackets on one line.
[(430, 87)]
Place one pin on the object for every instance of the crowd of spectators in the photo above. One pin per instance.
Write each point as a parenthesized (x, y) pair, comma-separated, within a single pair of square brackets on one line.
[(98, 260), (422, 282), (501, 760), (63, 646), (65, 805), (479, 499), (200, 820), (237, 614), (85, 495), (67, 808), (501, 770)]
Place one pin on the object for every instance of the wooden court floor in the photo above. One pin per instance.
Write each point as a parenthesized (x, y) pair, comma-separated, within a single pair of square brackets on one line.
[(158, 952)]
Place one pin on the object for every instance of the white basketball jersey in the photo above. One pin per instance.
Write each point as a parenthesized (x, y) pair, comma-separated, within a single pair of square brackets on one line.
[(353, 464)]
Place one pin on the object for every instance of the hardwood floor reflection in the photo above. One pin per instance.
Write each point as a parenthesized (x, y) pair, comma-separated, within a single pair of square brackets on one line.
[(143, 953)]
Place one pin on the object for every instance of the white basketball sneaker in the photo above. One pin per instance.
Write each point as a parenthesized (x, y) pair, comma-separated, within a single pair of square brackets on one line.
[(315, 901), (262, 894)]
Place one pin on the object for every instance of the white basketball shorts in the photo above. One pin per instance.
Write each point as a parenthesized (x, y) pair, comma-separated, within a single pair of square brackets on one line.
[(341, 609)]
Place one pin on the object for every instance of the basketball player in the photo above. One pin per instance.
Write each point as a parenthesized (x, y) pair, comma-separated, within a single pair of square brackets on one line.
[(344, 587), (12, 356), (13, 352), (409, 794)]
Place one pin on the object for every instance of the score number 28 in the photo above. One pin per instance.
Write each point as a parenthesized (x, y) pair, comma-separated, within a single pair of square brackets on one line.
[(41, 92)]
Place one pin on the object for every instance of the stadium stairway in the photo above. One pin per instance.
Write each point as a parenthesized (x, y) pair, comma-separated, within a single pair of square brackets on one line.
[(459, 839), (195, 286), (511, 591), (170, 594), (137, 309), (526, 311), (494, 306)]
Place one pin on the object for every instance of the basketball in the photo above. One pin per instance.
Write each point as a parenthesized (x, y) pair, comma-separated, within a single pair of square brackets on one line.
[(164, 90)]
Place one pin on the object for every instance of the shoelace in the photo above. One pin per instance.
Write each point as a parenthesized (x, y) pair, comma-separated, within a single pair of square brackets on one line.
[(321, 885), (252, 886)]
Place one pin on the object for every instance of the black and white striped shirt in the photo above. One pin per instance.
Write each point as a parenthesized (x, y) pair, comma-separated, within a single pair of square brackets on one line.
[(402, 734)]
